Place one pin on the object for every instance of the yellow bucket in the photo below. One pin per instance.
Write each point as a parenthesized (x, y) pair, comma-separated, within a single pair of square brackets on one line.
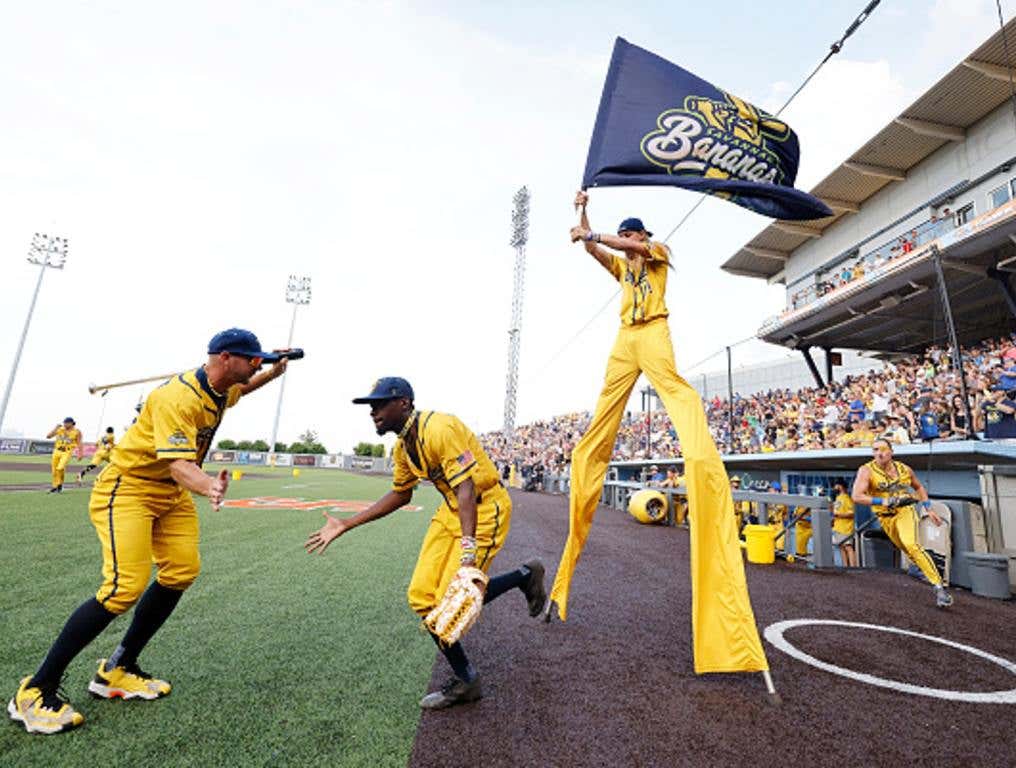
[(237, 474), (648, 506), (761, 541), (296, 473)]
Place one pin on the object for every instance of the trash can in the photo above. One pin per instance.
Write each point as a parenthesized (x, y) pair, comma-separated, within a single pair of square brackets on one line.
[(877, 551), (989, 574), (761, 544), (648, 506)]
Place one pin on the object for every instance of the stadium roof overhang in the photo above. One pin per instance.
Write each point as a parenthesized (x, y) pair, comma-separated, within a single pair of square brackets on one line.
[(898, 307), (967, 94)]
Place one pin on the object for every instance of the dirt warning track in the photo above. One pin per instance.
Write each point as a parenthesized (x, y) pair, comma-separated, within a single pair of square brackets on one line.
[(614, 686)]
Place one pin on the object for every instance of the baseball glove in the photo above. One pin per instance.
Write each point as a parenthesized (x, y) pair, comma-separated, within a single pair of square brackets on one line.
[(459, 609), (898, 502)]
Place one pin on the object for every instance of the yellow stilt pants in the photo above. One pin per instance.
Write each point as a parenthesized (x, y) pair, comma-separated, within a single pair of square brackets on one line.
[(723, 626)]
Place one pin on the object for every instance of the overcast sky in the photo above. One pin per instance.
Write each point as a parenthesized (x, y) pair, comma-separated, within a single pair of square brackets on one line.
[(196, 154)]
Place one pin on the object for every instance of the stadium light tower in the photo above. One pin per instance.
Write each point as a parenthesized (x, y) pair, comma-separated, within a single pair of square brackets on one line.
[(46, 251), (520, 236), (297, 293)]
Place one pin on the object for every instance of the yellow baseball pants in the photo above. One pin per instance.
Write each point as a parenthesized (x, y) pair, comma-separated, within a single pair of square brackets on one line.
[(441, 548), (723, 625), (901, 528), (141, 522), (802, 535), (58, 465), (99, 457)]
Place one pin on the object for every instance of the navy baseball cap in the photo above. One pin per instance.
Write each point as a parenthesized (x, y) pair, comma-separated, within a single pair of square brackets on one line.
[(237, 341), (633, 225), (386, 388), (776, 486), (69, 419)]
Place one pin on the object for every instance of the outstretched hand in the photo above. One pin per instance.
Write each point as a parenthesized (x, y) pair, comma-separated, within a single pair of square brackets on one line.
[(217, 493), (325, 535)]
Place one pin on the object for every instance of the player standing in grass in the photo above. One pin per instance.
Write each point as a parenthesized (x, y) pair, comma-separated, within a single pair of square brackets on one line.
[(142, 510), (468, 529), (68, 440), (894, 506), (103, 451)]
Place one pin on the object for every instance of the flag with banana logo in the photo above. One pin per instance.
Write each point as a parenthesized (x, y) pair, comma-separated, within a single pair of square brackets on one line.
[(659, 124)]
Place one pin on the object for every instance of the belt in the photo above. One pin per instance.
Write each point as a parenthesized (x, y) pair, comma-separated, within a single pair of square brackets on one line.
[(163, 480)]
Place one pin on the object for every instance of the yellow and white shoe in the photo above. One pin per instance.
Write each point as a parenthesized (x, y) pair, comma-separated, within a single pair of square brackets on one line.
[(127, 683), (41, 713)]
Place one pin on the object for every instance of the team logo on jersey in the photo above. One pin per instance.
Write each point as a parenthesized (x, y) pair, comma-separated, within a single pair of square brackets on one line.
[(465, 459), (177, 438), (718, 140)]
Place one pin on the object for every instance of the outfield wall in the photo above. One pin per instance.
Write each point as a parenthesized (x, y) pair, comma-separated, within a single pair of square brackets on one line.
[(13, 446)]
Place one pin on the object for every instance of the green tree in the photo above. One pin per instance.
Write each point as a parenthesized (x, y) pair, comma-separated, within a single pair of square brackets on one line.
[(281, 448), (298, 447), (363, 449), (244, 445), (308, 437), (259, 445), (379, 451), (226, 445)]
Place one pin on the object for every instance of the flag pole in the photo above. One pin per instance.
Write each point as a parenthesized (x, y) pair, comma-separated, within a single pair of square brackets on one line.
[(774, 697)]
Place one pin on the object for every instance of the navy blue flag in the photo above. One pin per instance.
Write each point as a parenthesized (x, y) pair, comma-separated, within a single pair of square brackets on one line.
[(659, 124)]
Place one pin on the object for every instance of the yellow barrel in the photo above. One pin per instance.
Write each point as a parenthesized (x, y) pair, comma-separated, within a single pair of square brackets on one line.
[(648, 506), (237, 474), (761, 541), (296, 473)]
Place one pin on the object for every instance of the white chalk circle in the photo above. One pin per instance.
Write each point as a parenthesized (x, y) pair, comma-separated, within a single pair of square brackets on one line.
[(774, 634)]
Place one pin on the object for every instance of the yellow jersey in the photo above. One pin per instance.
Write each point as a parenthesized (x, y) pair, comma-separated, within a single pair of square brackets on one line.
[(67, 439), (178, 421), (881, 484), (777, 514), (105, 443), (642, 295), (843, 505), (805, 520), (449, 454)]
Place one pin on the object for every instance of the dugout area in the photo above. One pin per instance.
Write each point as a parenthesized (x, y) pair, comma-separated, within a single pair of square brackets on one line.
[(614, 686)]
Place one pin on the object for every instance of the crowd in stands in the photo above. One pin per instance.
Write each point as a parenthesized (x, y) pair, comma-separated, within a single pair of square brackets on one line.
[(855, 267), (910, 400)]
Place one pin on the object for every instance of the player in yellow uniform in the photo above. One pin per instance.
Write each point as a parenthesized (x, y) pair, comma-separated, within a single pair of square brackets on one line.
[(142, 510), (742, 509), (723, 628), (103, 451), (885, 485), (68, 441), (468, 529), (776, 513), (843, 525), (802, 530)]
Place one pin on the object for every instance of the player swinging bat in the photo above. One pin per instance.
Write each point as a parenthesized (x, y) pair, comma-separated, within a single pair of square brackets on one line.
[(143, 512), (287, 354)]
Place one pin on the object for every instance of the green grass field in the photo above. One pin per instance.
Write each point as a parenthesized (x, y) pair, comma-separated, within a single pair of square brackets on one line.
[(276, 657)]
